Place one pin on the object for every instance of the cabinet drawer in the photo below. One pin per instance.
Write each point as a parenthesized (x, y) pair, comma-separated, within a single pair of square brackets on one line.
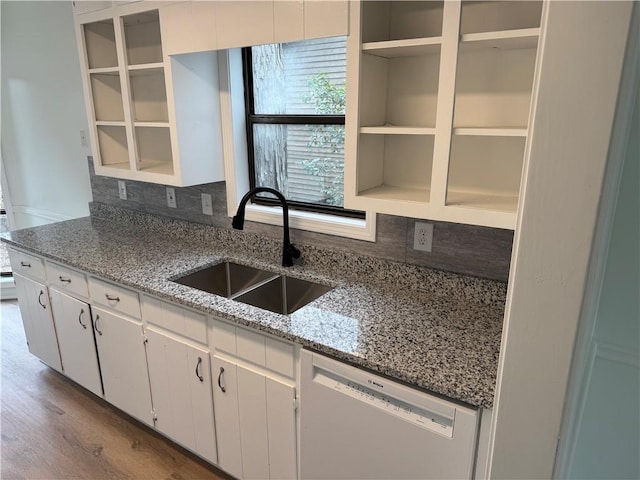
[(27, 265), (255, 348), (114, 297), (174, 318), (67, 280)]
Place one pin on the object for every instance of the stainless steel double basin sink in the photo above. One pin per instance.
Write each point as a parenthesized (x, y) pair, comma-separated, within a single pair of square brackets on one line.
[(260, 288)]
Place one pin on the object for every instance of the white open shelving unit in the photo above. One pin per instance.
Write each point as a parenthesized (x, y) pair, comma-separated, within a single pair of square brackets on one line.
[(129, 88), (439, 99)]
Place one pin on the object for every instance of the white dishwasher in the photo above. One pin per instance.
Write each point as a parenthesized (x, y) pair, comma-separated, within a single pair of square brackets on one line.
[(356, 425)]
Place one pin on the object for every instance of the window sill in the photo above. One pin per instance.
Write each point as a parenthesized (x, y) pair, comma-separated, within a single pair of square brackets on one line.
[(316, 222)]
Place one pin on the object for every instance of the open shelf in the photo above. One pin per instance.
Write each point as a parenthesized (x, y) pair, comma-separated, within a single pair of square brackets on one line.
[(107, 97), (403, 48), (502, 40), (493, 88), (154, 149), (148, 95), (491, 132), (397, 130), (485, 172), (100, 44), (477, 16), (142, 38), (113, 146), (482, 200), (395, 167), (399, 91), (400, 20)]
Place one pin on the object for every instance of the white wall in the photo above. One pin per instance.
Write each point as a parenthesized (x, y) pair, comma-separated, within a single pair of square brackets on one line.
[(581, 70), (42, 113)]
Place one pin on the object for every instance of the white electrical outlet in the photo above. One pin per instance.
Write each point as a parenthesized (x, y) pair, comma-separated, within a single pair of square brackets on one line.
[(122, 190), (171, 197), (83, 139), (423, 236), (207, 206)]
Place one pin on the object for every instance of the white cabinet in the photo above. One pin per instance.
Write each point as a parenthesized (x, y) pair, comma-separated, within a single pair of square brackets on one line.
[(76, 341), (180, 378), (255, 403), (38, 322), (255, 418), (153, 118), (439, 96), (123, 363), (215, 25), (180, 375)]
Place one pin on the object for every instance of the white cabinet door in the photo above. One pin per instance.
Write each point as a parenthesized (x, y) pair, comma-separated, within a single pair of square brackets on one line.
[(181, 389), (123, 364), (225, 398), (252, 408), (76, 341), (38, 322), (255, 419), (281, 425), (241, 24)]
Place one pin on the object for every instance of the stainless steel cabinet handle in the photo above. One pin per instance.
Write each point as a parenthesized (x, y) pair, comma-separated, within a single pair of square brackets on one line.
[(95, 325), (40, 300), (200, 377), (220, 379), (112, 299), (84, 325), (64, 280), (25, 264)]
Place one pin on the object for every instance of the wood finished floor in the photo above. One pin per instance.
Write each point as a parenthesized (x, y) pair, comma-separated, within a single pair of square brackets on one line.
[(53, 429)]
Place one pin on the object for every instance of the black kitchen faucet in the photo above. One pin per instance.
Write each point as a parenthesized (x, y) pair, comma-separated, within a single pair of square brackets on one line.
[(289, 251)]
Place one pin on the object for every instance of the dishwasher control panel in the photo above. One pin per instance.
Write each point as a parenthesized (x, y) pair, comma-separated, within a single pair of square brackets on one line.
[(420, 416)]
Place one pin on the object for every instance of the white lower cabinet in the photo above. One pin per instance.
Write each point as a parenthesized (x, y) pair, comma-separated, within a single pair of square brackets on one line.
[(74, 326), (123, 363), (256, 425), (38, 322), (181, 389)]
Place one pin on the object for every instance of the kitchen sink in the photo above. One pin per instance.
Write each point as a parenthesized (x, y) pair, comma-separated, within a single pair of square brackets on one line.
[(283, 294), (226, 279), (254, 286)]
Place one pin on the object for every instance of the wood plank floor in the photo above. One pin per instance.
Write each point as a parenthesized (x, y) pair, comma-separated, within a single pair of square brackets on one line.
[(53, 429)]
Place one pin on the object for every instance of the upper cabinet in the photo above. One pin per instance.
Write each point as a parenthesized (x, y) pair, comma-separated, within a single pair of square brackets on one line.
[(153, 118), (215, 25), (438, 106)]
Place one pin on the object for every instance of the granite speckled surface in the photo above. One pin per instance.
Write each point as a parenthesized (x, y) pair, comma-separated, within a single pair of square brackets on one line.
[(437, 330)]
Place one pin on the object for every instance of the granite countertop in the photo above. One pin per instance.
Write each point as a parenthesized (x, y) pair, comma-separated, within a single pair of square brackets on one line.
[(435, 330)]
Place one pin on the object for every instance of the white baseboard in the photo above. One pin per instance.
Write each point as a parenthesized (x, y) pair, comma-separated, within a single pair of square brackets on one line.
[(25, 217), (7, 288)]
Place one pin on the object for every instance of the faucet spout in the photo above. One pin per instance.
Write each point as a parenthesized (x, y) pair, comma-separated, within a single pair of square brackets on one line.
[(289, 251)]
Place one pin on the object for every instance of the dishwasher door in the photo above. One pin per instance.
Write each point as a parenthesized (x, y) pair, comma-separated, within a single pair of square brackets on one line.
[(356, 425)]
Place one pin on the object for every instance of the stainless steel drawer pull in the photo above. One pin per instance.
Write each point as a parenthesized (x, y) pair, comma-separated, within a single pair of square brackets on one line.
[(112, 299), (84, 325), (220, 380), (64, 280), (25, 264)]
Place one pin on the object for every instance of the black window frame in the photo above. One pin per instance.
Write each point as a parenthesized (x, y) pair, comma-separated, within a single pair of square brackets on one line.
[(251, 119)]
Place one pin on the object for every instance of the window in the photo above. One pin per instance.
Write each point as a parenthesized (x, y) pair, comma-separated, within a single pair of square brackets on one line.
[(295, 104)]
